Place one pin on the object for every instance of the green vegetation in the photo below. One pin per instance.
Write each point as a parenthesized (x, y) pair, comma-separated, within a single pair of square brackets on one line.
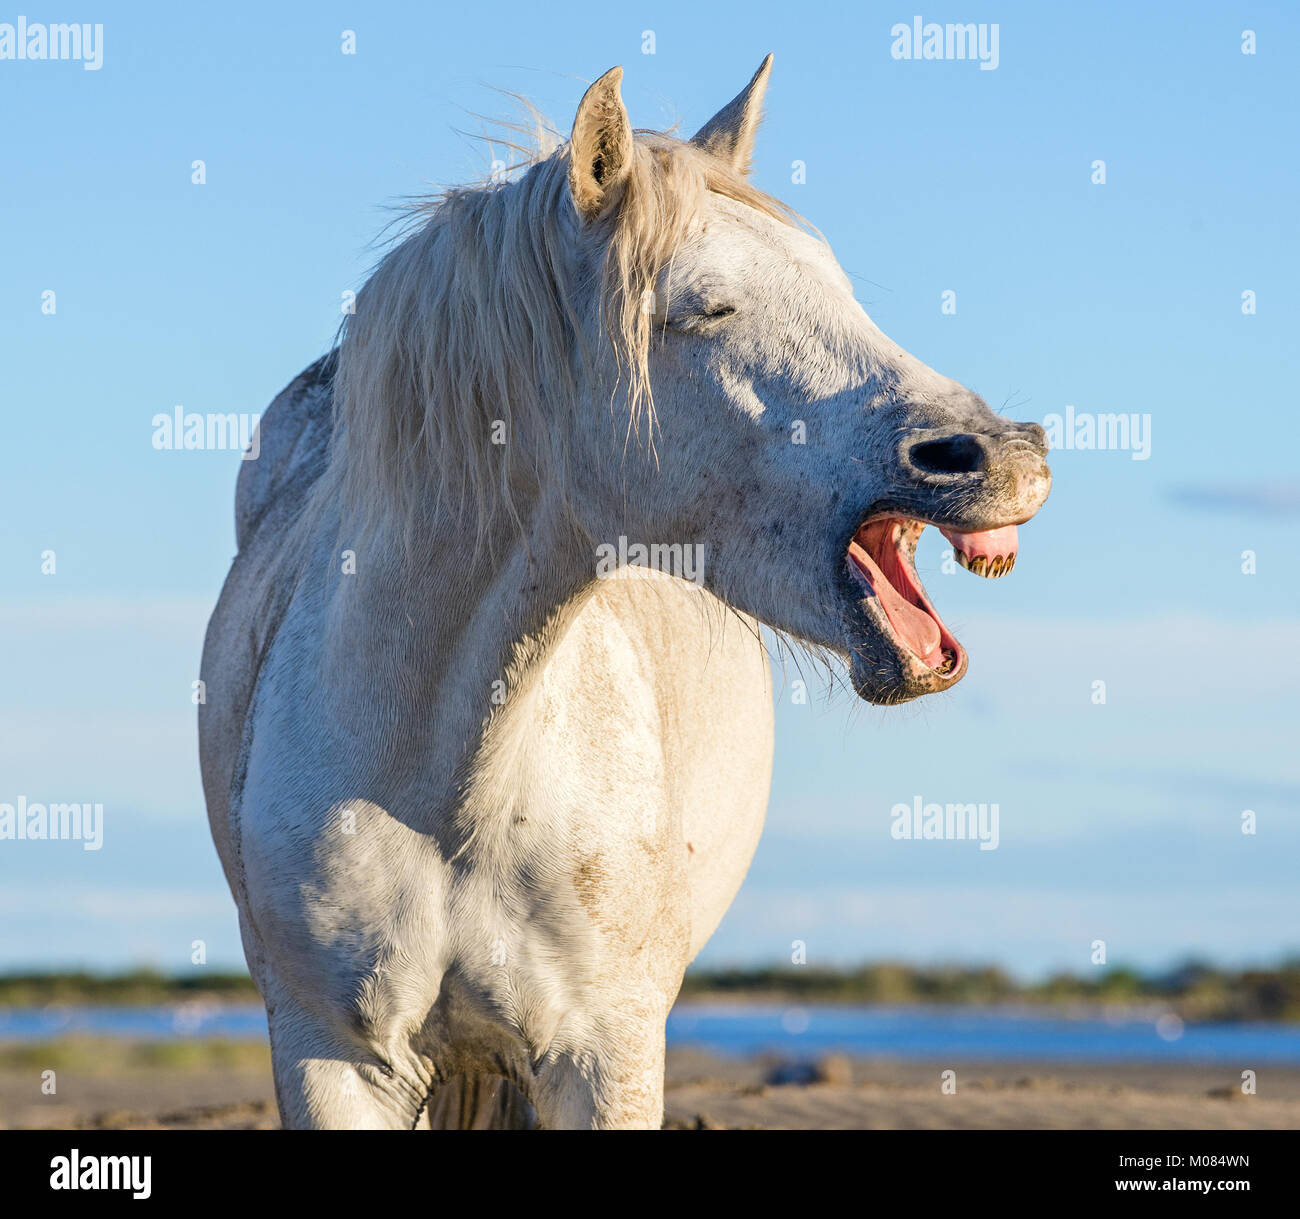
[(139, 988), (110, 1055), (1195, 991)]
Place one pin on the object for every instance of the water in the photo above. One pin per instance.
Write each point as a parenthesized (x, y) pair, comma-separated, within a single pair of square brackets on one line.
[(793, 1031), (974, 1033), (237, 1022)]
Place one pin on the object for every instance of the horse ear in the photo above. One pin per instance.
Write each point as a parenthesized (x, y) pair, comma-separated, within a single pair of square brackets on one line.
[(600, 148), (729, 134)]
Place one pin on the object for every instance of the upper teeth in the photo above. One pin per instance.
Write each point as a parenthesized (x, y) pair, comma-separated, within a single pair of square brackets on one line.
[(981, 565)]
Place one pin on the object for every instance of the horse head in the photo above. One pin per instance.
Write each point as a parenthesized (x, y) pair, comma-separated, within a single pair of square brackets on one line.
[(787, 433)]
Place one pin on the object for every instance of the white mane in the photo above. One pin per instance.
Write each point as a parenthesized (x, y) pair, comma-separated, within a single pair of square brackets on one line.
[(456, 379)]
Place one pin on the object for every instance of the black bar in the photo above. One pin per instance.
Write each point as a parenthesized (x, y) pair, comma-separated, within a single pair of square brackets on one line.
[(820, 1171)]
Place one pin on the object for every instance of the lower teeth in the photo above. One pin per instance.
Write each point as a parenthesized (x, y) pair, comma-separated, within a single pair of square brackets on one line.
[(949, 662), (982, 565)]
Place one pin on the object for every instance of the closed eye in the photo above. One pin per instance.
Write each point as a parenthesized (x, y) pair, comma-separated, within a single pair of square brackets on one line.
[(701, 318)]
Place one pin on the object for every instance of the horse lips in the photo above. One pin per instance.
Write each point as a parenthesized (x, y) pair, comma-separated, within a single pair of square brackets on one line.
[(990, 553)]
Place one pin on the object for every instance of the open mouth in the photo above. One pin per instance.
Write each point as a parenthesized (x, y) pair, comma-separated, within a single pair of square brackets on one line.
[(881, 558)]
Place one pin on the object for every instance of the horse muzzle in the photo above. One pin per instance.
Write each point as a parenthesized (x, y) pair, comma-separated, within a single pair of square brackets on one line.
[(976, 487)]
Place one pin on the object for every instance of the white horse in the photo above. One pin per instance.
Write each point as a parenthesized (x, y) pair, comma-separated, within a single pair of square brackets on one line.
[(479, 807)]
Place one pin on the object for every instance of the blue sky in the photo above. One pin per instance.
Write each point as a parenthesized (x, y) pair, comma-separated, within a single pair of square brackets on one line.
[(1118, 822)]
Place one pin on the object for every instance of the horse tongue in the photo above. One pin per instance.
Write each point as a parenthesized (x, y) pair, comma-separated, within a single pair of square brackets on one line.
[(914, 626)]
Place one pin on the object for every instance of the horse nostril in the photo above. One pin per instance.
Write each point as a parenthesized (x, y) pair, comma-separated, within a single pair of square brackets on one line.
[(963, 454), (1037, 435)]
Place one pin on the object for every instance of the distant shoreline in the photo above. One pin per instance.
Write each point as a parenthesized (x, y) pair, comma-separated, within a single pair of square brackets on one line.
[(1195, 993)]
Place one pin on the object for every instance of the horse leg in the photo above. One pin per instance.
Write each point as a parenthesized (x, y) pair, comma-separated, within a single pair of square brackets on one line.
[(617, 1084), (328, 1080)]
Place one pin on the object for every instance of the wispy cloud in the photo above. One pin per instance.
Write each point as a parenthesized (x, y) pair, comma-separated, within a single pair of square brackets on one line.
[(118, 906), (1255, 499), (63, 614), (1034, 930)]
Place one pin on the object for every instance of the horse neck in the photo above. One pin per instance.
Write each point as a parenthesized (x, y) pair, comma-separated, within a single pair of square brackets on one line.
[(429, 635)]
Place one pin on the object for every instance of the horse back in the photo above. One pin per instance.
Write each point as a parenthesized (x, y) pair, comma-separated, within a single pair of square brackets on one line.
[(293, 445), (293, 441)]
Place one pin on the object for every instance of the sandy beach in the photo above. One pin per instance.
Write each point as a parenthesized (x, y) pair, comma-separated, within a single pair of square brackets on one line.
[(113, 1089)]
